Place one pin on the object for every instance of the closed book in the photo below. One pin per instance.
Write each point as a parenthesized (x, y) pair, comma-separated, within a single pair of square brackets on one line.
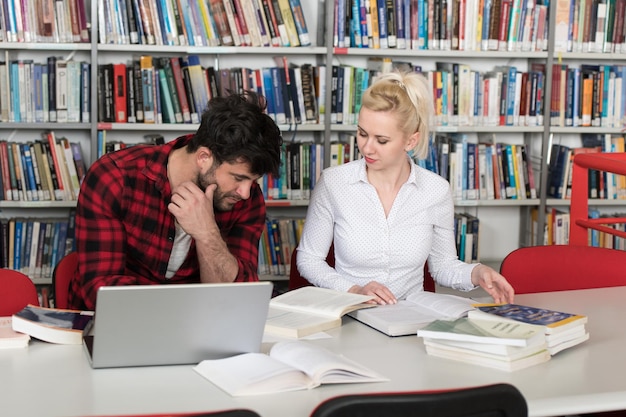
[(52, 324), (487, 360), (179, 84), (9, 338), (551, 320), (147, 78), (500, 332), (120, 114)]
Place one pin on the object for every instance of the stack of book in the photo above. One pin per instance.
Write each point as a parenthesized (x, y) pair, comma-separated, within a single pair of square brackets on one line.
[(562, 330), (499, 344)]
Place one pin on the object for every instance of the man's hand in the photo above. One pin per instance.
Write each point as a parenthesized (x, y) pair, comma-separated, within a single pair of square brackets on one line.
[(193, 210)]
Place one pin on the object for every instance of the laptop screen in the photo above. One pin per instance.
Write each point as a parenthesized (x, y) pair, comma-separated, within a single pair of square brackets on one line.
[(143, 325)]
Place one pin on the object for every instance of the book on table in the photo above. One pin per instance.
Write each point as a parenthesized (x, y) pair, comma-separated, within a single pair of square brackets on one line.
[(310, 310), (562, 330), (9, 338), (52, 325), (289, 366), (502, 357), (415, 312), (499, 332)]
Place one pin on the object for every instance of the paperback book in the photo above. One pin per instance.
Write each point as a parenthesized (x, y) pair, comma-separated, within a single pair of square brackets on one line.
[(310, 310), (9, 338), (499, 332), (289, 366), (512, 359), (413, 313), (52, 325), (562, 330)]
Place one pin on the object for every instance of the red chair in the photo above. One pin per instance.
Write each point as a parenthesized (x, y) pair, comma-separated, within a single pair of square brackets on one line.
[(61, 277), (16, 291), (296, 280), (563, 267)]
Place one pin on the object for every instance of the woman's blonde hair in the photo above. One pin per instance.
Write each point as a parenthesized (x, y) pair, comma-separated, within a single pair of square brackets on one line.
[(408, 96)]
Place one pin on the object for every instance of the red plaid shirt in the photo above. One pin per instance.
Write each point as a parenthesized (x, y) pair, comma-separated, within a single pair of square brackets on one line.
[(125, 233)]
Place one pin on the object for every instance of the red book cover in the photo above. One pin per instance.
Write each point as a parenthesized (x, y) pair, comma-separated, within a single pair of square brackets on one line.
[(180, 89), (243, 26), (503, 33), (119, 93)]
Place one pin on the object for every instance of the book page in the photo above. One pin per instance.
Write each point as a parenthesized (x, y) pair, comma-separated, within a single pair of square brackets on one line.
[(415, 312), (442, 305), (253, 374), (322, 301), (322, 365)]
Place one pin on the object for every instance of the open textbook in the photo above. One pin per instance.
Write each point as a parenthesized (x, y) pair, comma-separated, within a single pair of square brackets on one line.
[(290, 365), (415, 312), (309, 310)]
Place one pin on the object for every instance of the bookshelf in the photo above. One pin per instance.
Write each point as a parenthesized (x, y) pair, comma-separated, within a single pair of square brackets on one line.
[(497, 215)]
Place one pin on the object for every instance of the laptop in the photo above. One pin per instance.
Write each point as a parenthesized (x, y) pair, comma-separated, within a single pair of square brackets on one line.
[(145, 325)]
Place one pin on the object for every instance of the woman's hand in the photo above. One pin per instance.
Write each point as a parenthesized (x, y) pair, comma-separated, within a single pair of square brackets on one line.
[(382, 295), (495, 284)]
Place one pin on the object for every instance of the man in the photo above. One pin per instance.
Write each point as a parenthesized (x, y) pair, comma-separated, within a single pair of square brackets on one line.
[(183, 212)]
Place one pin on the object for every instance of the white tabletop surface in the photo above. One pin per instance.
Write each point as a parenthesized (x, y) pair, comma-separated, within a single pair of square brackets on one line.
[(56, 380)]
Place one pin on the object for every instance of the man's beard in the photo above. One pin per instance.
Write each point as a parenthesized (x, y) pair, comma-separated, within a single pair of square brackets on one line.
[(221, 201)]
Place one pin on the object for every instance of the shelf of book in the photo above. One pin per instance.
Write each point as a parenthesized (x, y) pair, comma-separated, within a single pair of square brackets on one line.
[(423, 50)]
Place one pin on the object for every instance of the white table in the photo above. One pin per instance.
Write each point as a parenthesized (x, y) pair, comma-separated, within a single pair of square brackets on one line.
[(56, 380)]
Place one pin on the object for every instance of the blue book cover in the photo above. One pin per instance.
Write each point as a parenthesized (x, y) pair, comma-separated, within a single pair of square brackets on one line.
[(339, 40), (14, 83), (510, 96), (29, 172), (279, 100), (37, 83), (85, 92), (422, 30), (300, 21), (363, 12), (268, 91), (383, 33), (551, 319), (511, 190)]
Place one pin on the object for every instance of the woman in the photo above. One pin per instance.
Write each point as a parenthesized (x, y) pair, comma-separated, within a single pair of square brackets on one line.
[(385, 215)]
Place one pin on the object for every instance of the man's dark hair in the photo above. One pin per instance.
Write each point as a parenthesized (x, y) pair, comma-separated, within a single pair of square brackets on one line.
[(236, 129)]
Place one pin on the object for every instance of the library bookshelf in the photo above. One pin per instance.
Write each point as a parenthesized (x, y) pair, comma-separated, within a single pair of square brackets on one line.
[(506, 223)]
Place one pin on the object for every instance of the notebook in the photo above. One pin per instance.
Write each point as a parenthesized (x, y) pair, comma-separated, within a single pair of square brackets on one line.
[(144, 325)]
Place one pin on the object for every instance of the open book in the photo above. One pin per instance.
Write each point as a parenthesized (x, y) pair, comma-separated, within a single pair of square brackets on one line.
[(290, 366), (309, 310), (416, 311)]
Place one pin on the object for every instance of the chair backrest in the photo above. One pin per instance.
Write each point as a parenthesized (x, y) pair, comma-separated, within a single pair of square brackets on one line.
[(497, 400), (563, 267), (61, 277), (296, 280), (16, 291)]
